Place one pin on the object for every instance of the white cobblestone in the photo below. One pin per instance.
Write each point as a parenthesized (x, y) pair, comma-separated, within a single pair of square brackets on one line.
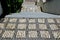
[(41, 20), (21, 26), (11, 26), (21, 34), (5, 19), (31, 20), (0, 31), (45, 34), (32, 34), (42, 26), (51, 21), (13, 20), (58, 20), (8, 34), (53, 27), (22, 20), (32, 26), (2, 25), (56, 34)]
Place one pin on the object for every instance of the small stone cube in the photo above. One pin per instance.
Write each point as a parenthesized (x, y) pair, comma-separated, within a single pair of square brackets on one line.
[(41, 20), (58, 20), (53, 27), (32, 34), (12, 20), (2, 25), (59, 26), (5, 19), (31, 20), (11, 26), (56, 34), (21, 26), (8, 34), (32, 26), (51, 21), (22, 20), (21, 34), (45, 34), (0, 31), (42, 26)]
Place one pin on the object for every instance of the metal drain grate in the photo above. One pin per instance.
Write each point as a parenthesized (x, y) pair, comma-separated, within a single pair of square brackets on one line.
[(30, 29)]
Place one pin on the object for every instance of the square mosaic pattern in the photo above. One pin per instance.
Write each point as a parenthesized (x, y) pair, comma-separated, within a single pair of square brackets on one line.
[(56, 34), (41, 20), (53, 27), (21, 26), (11, 26), (22, 20), (45, 34), (21, 34), (8, 34), (32, 34), (2, 25), (32, 26), (59, 26), (51, 21), (30, 29), (31, 20), (58, 20), (5, 19), (42, 26), (13, 20), (0, 31)]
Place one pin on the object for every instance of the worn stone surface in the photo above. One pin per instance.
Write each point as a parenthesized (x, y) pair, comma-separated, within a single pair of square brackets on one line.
[(13, 20), (8, 34), (45, 34), (22, 20), (56, 34), (51, 21), (42, 26), (58, 20), (32, 26), (59, 26), (31, 20), (11, 26), (41, 20), (0, 31), (21, 26), (5, 19), (30, 29), (53, 26), (2, 25), (32, 34), (21, 34)]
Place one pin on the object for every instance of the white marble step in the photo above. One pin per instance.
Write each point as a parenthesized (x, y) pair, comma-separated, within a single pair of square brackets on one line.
[(30, 7), (29, 2)]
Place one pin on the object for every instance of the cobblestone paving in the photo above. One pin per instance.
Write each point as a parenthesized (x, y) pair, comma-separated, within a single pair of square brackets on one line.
[(30, 29)]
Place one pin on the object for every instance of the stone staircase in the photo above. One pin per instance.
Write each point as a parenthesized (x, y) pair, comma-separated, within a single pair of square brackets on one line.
[(30, 24), (30, 7)]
